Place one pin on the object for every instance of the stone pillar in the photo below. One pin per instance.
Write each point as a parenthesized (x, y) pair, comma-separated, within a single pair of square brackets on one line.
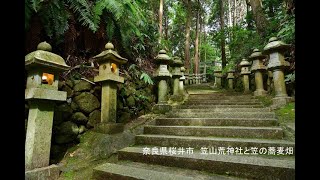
[(230, 78), (186, 79), (277, 64), (182, 80), (109, 62), (245, 73), (270, 82), (194, 78), (204, 74), (258, 68), (43, 68), (218, 76), (176, 74), (162, 74)]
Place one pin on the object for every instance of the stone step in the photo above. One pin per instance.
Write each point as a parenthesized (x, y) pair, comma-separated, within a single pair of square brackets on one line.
[(219, 131), (253, 122), (134, 170), (245, 166), (226, 109), (221, 95), (223, 99), (222, 114), (201, 106), (222, 103), (198, 142)]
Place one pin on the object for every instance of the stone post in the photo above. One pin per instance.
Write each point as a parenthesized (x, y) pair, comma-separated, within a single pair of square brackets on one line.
[(186, 79), (43, 68), (176, 74), (218, 76), (194, 78), (245, 73), (270, 82), (277, 64), (162, 74), (109, 62), (204, 74), (230, 78), (182, 80), (258, 68)]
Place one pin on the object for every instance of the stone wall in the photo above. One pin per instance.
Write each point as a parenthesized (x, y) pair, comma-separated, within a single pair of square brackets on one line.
[(81, 111)]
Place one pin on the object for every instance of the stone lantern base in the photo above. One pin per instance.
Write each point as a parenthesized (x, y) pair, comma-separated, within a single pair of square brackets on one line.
[(280, 101), (51, 172), (161, 108), (109, 128), (260, 92), (178, 98)]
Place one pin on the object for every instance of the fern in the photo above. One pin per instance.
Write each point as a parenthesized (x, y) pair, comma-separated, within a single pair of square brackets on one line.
[(146, 78), (110, 27), (55, 19), (83, 9), (36, 4)]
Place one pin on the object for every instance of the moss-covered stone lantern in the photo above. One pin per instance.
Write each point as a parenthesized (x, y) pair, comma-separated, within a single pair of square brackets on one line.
[(244, 64), (270, 82), (275, 49), (43, 68), (230, 78), (162, 74), (217, 76), (258, 68), (182, 80), (176, 73), (109, 62)]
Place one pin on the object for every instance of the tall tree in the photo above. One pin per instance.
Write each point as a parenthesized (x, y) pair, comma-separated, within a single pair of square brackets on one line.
[(160, 19), (187, 42), (259, 17), (223, 41), (196, 44)]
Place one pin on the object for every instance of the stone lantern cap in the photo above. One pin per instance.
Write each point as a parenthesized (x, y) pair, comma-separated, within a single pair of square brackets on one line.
[(162, 57), (218, 73), (109, 54), (43, 57), (256, 58), (182, 69), (177, 62), (256, 55), (244, 63), (275, 45)]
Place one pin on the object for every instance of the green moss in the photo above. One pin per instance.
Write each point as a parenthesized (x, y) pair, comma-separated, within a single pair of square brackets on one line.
[(266, 100), (68, 175), (286, 113)]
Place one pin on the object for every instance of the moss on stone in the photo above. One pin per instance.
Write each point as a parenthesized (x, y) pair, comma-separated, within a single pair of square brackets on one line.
[(286, 113), (266, 100)]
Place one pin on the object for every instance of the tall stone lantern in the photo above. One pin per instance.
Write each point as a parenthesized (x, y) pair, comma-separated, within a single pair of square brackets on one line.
[(275, 49), (162, 74), (176, 74), (182, 80), (217, 75), (245, 73), (270, 82), (109, 62), (230, 78), (43, 68), (258, 68)]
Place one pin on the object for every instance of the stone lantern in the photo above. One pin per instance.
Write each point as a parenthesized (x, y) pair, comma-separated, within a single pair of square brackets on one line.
[(43, 68), (162, 74), (277, 64), (218, 75), (230, 78), (109, 62), (182, 80), (258, 68), (176, 74), (245, 73)]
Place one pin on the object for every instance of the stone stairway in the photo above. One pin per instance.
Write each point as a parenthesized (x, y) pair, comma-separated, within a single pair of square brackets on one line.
[(212, 124)]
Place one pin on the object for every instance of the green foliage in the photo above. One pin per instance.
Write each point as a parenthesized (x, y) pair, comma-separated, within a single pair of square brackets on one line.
[(55, 17), (146, 78), (286, 113), (290, 78), (28, 13)]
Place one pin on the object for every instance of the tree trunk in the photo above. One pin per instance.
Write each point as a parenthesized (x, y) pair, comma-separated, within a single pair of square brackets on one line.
[(166, 19), (222, 44), (259, 17), (160, 19), (187, 42), (196, 47)]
